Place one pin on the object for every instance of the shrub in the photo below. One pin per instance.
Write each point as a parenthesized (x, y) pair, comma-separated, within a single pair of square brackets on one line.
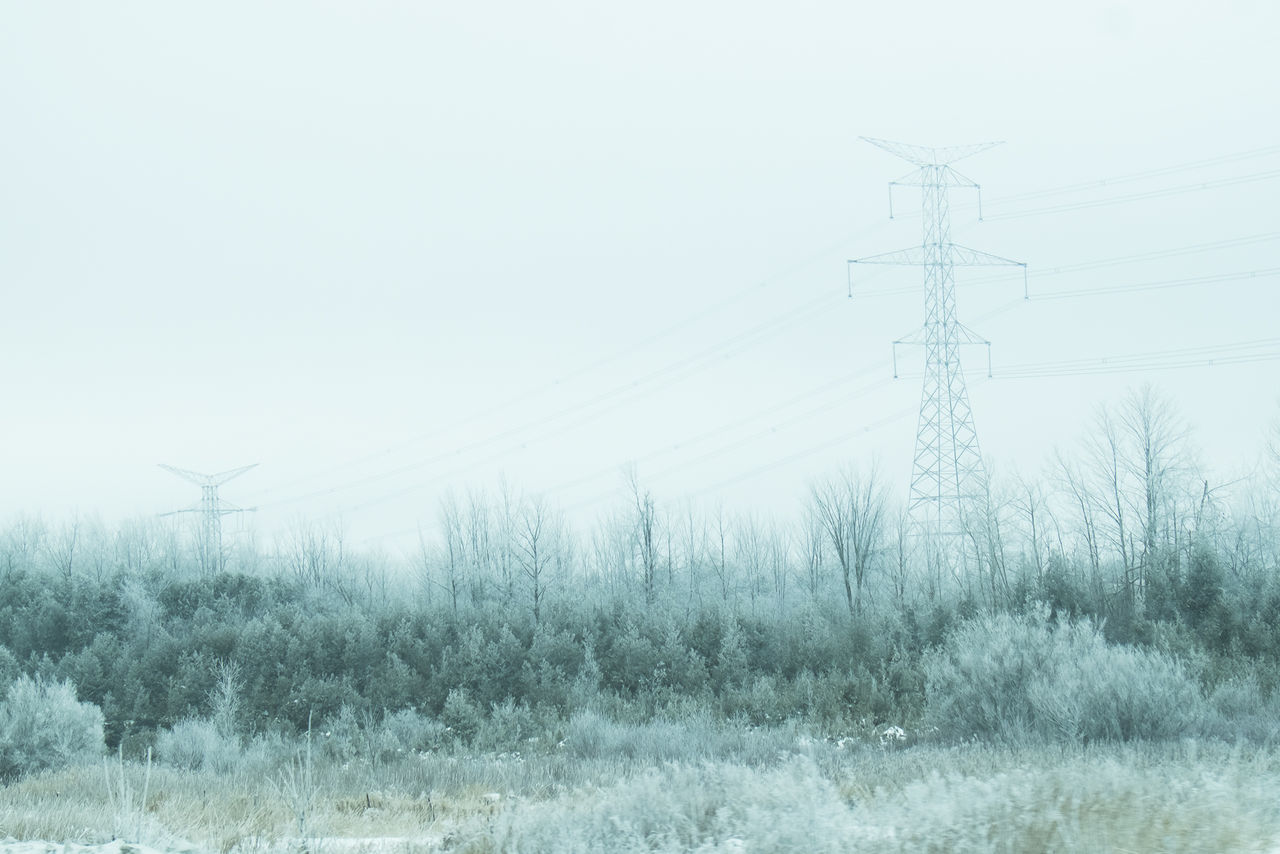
[(1014, 678), (9, 668), (461, 714), (197, 744), (507, 726), (43, 725)]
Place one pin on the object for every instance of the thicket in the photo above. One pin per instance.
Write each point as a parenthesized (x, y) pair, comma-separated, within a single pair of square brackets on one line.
[(1015, 677), (203, 664), (1121, 596), (158, 652)]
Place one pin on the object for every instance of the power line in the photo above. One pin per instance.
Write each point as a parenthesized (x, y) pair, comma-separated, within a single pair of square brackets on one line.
[(738, 296), (1159, 285), (671, 373), (1239, 352), (1149, 194), (1131, 177), (588, 367), (1043, 273), (722, 449)]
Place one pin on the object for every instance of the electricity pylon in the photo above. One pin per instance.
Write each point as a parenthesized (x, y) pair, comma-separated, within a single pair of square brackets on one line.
[(948, 479), (212, 509)]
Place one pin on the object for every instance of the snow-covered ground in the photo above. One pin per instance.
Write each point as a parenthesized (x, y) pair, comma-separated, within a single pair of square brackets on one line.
[(325, 845)]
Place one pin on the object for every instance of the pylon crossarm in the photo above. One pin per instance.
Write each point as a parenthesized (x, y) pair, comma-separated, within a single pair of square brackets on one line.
[(186, 474), (912, 256), (963, 256), (922, 155), (223, 477), (965, 335), (915, 336), (179, 512)]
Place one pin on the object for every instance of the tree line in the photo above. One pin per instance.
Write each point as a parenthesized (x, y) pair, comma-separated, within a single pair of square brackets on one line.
[(826, 616)]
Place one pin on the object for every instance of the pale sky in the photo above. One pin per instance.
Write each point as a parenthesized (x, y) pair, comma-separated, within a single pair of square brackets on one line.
[(385, 249)]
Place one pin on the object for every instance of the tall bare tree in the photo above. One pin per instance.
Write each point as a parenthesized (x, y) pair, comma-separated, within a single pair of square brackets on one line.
[(539, 547), (1157, 439), (850, 507), (644, 532)]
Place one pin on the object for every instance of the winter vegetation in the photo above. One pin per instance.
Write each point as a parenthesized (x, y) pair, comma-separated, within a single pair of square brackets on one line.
[(1094, 668)]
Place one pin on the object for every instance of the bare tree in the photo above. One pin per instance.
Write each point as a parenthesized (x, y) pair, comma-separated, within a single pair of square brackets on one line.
[(64, 548), (479, 545), (539, 541), (503, 539), (22, 544), (644, 532), (720, 542), (1081, 498), (315, 555), (750, 553), (983, 528), (901, 544), (1135, 455), (611, 554), (1157, 440), (811, 545), (694, 546), (453, 551), (850, 507)]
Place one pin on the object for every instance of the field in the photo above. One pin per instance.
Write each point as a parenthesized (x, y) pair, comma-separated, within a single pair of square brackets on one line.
[(765, 790)]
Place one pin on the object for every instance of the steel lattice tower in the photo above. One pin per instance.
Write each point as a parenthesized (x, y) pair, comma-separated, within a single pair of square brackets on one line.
[(948, 479), (211, 509)]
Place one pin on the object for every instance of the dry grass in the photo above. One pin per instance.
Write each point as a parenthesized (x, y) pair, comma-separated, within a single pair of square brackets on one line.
[(1141, 798)]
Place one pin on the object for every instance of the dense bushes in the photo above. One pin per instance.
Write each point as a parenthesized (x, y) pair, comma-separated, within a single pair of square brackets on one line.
[(160, 648), (1016, 677), (43, 725)]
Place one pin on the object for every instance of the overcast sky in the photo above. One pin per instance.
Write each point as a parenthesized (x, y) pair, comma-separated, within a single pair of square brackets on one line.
[(383, 249)]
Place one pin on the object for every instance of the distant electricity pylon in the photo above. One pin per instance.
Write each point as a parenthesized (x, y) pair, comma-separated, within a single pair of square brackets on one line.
[(948, 479), (212, 509)]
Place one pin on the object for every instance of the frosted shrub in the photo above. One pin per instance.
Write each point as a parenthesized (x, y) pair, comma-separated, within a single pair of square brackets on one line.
[(1012, 678), (593, 736), (413, 732), (709, 808), (196, 744), (9, 669), (461, 715), (507, 726), (43, 725)]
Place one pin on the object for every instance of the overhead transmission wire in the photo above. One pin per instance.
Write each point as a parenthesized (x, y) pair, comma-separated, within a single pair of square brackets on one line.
[(771, 430), (1229, 243), (1072, 188), (1203, 356), (1129, 178), (671, 373), (1182, 358), (1160, 285), (1174, 252), (584, 369), (722, 449), (1142, 196), (719, 450), (747, 291), (697, 439), (736, 297)]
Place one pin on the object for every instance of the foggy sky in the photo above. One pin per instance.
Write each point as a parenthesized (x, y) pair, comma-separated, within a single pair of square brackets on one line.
[(384, 249)]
